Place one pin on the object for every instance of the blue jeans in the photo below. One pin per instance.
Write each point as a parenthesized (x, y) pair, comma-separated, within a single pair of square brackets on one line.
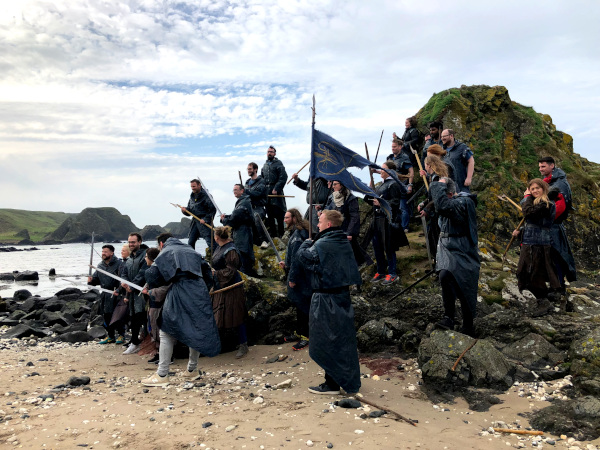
[(405, 213), (381, 251)]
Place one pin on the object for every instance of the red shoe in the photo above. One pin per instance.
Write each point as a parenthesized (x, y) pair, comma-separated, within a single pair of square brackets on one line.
[(377, 277), (300, 345)]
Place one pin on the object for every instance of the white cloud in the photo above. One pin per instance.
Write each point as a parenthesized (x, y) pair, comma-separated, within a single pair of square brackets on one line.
[(125, 97)]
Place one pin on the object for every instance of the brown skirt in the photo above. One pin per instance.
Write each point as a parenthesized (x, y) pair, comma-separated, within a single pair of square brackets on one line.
[(536, 268), (153, 314), (229, 307)]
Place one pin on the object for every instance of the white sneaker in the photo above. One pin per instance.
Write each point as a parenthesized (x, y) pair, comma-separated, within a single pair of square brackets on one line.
[(265, 244), (156, 381), (133, 348), (192, 376)]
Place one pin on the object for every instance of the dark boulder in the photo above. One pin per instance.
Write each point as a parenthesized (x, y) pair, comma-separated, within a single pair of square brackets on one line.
[(28, 275), (52, 272), (97, 321), (54, 304), (23, 331), (377, 334), (78, 381), (74, 336), (3, 306), (7, 277), (68, 291), (534, 352), (8, 322), (51, 318), (33, 315), (31, 304), (21, 294), (89, 296), (97, 332), (59, 329), (482, 366), (76, 309), (579, 417), (17, 315)]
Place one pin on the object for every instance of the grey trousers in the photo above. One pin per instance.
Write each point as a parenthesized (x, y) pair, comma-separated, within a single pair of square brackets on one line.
[(167, 342)]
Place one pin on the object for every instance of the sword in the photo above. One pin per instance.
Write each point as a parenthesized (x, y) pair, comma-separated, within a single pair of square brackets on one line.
[(209, 196), (277, 255), (122, 280), (424, 222)]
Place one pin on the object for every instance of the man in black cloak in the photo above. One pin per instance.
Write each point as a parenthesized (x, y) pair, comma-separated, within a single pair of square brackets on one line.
[(329, 262), (241, 221), (457, 260), (187, 314)]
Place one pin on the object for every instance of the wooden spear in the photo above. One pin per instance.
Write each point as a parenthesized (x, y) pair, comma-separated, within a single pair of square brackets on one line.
[(370, 173), (240, 174), (239, 283), (194, 216), (289, 181)]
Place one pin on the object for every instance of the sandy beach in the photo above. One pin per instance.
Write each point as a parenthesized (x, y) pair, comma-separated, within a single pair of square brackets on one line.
[(239, 400)]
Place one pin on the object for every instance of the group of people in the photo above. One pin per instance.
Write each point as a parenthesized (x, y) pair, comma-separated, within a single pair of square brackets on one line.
[(323, 255)]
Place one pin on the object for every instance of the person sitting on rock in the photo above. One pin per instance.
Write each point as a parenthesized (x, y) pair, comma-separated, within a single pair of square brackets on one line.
[(187, 314), (301, 293), (110, 264), (330, 264), (457, 260), (536, 266)]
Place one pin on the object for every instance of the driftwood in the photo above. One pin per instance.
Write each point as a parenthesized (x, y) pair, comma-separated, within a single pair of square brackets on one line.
[(508, 430), (463, 354), (400, 416)]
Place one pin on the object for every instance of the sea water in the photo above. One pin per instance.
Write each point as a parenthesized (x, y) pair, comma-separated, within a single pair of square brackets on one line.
[(70, 261)]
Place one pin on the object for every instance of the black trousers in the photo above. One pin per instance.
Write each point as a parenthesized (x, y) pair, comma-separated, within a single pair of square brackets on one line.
[(331, 382), (137, 322), (301, 323), (450, 292), (275, 223), (197, 232)]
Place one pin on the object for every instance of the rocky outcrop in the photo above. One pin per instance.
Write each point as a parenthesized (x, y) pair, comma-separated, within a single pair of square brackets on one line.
[(507, 139), (151, 232), (179, 229), (108, 224)]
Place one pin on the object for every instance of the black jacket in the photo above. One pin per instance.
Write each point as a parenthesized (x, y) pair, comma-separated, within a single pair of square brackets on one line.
[(275, 178), (257, 190), (241, 221)]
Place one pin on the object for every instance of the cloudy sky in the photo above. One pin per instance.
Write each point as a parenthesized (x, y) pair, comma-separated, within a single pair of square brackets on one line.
[(106, 103)]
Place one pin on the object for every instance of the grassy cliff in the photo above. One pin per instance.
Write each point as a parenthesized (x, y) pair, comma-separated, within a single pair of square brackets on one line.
[(36, 224), (507, 139)]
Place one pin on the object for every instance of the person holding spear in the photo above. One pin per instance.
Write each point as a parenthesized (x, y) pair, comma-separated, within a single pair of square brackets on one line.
[(201, 206)]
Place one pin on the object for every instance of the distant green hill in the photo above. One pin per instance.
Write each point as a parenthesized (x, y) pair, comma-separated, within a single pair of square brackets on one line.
[(37, 223)]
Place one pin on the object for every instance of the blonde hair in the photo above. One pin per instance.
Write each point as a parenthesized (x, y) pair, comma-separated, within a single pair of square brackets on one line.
[(333, 216), (438, 166), (223, 232), (545, 188)]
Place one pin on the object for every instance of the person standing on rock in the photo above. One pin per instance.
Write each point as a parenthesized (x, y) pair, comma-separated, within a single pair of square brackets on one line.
[(187, 314), (301, 293), (321, 192), (256, 188), (134, 272), (111, 264), (275, 177), (536, 266), (330, 265), (457, 260), (404, 167), (229, 307), (346, 203), (460, 157), (432, 138), (560, 194), (386, 238), (202, 207), (241, 221)]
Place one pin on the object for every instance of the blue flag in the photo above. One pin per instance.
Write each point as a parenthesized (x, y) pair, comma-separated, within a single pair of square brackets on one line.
[(330, 160)]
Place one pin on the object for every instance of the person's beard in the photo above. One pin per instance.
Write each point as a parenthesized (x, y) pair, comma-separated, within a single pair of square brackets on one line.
[(271, 157)]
